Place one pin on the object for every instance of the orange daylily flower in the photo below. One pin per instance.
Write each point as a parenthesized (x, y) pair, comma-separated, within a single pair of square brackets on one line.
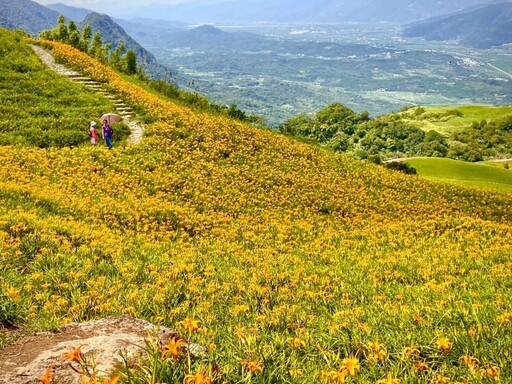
[(48, 377), (190, 325), (173, 347), (75, 355), (200, 378), (444, 344), (254, 366), (351, 365)]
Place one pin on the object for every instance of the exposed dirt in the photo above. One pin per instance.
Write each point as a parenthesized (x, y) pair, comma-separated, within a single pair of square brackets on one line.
[(27, 359)]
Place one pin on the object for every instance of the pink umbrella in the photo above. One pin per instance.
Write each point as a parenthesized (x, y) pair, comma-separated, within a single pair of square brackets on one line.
[(111, 118)]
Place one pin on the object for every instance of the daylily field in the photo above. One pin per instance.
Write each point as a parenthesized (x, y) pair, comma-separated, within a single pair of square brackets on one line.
[(289, 263)]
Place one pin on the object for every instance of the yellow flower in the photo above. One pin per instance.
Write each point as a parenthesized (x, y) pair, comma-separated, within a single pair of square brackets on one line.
[(388, 380), (421, 366), (296, 372), (335, 377), (254, 366), (173, 347), (296, 342), (351, 365), (200, 378), (470, 361), (444, 344), (190, 325), (410, 351), (493, 372), (378, 350)]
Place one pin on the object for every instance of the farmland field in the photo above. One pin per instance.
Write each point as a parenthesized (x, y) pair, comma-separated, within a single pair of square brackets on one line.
[(279, 71), (291, 264)]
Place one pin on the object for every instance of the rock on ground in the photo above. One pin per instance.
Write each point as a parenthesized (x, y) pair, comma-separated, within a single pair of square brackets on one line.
[(28, 358)]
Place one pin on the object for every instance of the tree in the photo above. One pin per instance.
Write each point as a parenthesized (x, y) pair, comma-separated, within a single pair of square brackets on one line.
[(63, 33), (299, 125), (86, 38), (116, 60), (131, 62), (96, 49)]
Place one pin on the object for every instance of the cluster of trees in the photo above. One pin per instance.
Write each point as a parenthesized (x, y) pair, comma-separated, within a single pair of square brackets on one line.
[(483, 139), (343, 130), (69, 34)]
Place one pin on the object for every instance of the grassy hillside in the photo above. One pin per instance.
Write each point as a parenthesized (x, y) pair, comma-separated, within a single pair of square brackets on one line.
[(290, 263), (482, 175), (39, 107), (449, 119)]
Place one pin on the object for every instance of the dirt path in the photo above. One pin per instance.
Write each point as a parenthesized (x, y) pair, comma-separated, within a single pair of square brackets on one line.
[(136, 128), (400, 159)]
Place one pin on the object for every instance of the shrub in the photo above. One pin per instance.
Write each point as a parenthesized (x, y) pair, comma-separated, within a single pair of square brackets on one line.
[(401, 167)]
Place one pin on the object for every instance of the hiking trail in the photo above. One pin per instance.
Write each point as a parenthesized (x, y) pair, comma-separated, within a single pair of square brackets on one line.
[(126, 112)]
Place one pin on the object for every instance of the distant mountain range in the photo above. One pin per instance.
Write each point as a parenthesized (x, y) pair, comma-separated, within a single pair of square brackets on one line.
[(28, 15), (33, 18), (480, 27), (307, 11), (72, 13), (406, 11), (209, 39)]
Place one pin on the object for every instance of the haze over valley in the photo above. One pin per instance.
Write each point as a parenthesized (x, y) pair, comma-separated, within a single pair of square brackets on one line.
[(278, 59), (280, 70)]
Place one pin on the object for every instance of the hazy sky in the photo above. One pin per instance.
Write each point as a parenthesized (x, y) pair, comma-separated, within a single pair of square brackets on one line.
[(114, 7)]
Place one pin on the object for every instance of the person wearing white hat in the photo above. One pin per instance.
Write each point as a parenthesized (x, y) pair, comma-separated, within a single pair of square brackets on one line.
[(92, 133)]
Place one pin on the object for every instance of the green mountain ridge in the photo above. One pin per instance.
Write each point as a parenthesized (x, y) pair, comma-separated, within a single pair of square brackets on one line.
[(28, 15), (480, 27), (113, 33)]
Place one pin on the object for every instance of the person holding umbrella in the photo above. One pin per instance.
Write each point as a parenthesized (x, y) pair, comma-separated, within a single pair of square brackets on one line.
[(106, 130), (107, 133)]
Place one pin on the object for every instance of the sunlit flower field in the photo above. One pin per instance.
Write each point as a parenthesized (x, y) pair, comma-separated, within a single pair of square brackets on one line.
[(289, 263)]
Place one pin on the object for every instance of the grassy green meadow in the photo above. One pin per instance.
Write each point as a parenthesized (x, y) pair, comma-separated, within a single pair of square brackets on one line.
[(484, 174), (290, 263), (449, 119)]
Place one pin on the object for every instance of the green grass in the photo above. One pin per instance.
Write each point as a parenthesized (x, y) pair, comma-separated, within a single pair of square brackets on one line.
[(482, 175), (449, 119), (500, 164)]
